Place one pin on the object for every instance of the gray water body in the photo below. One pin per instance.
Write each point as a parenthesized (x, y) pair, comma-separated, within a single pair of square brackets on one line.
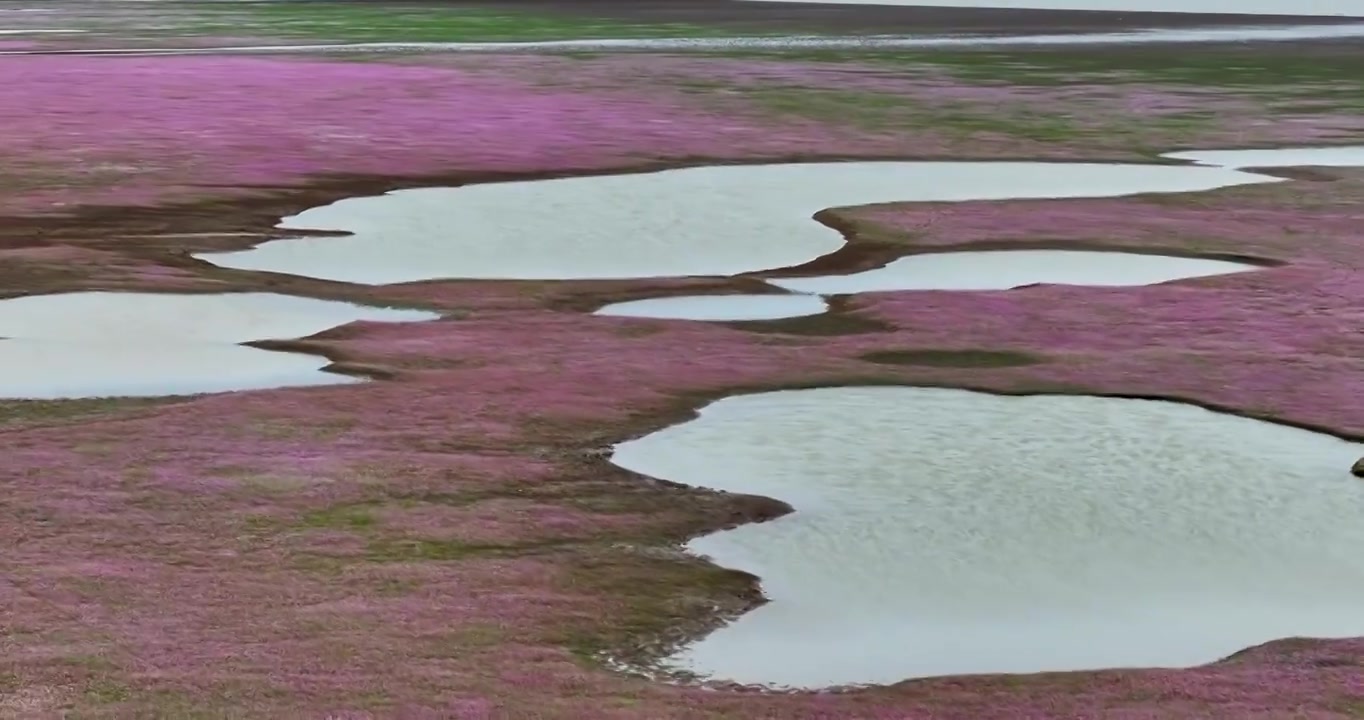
[(1005, 269), (715, 220), (103, 344), (943, 532), (977, 270), (719, 307), (1346, 8), (1257, 33), (1337, 156)]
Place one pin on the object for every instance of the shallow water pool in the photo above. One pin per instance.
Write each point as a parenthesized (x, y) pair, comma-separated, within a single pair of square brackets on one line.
[(719, 307), (104, 344), (943, 532), (719, 220), (1340, 156), (1004, 269)]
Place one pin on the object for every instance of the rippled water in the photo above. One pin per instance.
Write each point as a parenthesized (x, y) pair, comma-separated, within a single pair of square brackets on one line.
[(1003, 269), (1341, 156), (944, 531), (720, 307), (720, 220), (100, 344)]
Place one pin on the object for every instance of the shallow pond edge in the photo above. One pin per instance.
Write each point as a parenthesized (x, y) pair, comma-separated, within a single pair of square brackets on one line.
[(689, 405)]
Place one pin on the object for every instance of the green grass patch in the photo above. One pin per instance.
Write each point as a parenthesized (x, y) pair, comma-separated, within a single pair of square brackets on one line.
[(396, 587), (827, 324), (342, 517), (952, 358), (886, 111), (405, 550), (653, 599), (1210, 66), (45, 412), (1323, 80), (351, 22), (107, 692)]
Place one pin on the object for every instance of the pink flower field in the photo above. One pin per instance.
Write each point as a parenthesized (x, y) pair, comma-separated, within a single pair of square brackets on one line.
[(448, 541)]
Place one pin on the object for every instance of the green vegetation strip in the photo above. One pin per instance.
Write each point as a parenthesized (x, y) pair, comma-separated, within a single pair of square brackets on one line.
[(350, 22), (1320, 78)]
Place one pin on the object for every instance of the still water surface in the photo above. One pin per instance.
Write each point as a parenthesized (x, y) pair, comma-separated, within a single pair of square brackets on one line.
[(105, 344), (716, 220), (1340, 156), (945, 531), (1004, 269), (719, 307)]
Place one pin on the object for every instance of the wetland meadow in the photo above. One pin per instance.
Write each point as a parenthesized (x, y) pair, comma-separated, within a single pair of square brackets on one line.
[(681, 360)]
